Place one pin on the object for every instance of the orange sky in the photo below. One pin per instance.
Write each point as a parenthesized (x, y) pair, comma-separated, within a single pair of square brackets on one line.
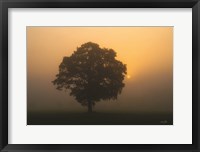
[(147, 51)]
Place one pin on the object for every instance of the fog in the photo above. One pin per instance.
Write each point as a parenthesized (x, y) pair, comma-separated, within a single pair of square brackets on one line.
[(147, 52)]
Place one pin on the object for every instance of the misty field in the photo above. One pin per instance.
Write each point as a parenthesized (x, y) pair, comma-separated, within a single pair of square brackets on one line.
[(99, 118), (77, 76)]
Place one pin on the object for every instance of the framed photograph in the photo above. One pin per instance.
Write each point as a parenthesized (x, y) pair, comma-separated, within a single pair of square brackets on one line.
[(99, 75)]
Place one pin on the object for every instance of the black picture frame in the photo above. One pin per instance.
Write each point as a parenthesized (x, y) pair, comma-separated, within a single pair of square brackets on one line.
[(6, 4)]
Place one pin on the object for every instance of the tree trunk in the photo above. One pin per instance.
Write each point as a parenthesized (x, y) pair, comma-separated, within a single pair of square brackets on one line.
[(89, 106)]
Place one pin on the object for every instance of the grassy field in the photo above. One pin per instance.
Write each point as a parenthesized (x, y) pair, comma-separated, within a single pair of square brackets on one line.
[(97, 118)]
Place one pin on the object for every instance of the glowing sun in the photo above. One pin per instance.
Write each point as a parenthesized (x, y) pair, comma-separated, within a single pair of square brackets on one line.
[(128, 76)]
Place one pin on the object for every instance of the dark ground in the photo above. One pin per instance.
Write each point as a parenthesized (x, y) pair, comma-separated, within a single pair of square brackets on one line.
[(97, 118)]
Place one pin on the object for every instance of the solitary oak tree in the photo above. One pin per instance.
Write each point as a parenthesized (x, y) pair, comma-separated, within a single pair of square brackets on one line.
[(91, 74)]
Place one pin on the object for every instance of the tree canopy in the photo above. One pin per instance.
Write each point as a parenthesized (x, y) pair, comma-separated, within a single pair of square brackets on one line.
[(91, 74)]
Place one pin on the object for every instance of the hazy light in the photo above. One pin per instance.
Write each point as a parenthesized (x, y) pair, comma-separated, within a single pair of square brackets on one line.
[(128, 76), (147, 52)]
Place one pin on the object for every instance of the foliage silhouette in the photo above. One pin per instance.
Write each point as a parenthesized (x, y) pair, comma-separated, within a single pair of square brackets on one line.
[(91, 74)]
